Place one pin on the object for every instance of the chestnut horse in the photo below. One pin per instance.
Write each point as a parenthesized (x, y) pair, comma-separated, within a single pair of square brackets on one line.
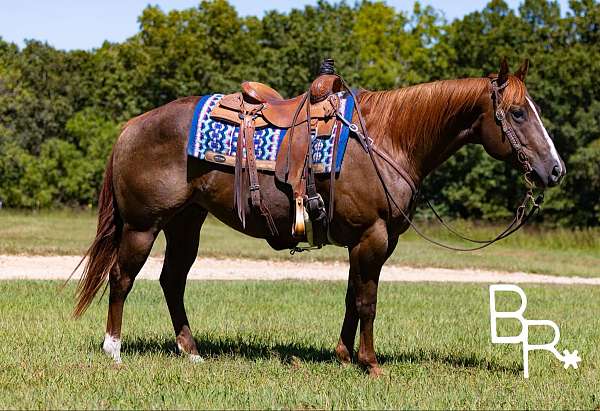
[(151, 185)]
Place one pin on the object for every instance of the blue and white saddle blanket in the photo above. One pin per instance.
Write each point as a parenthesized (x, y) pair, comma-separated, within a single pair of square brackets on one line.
[(216, 141)]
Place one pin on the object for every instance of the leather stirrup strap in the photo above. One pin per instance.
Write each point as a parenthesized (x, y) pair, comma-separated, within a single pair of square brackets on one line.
[(311, 188), (238, 200), (248, 127), (304, 101), (255, 198)]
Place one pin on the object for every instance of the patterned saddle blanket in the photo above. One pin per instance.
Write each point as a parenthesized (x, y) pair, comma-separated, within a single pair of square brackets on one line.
[(216, 141)]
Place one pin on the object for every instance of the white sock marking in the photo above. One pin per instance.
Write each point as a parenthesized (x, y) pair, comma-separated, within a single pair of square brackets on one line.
[(112, 347), (195, 358), (549, 141)]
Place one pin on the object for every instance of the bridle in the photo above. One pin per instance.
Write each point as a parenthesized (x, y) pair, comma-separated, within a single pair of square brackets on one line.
[(527, 209), (509, 131)]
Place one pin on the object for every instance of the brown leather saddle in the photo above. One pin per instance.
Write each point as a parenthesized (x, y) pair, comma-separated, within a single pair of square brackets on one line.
[(310, 114)]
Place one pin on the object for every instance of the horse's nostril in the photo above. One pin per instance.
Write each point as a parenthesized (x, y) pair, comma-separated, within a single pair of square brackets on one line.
[(554, 176)]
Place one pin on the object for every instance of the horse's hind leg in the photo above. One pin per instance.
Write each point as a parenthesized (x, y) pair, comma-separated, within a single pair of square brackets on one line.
[(183, 235), (134, 248)]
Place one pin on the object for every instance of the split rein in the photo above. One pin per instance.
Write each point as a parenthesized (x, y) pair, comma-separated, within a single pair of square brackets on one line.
[(522, 214)]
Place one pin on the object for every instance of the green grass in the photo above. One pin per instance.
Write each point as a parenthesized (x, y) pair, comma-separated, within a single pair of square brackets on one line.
[(269, 345), (551, 251)]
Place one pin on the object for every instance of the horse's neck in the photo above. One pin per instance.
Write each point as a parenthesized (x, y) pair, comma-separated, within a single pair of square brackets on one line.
[(456, 133), (452, 122)]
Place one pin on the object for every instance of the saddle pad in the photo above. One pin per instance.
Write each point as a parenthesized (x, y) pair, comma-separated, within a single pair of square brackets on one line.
[(216, 141)]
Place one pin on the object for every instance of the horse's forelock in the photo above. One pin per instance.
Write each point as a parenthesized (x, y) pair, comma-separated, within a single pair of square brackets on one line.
[(513, 94)]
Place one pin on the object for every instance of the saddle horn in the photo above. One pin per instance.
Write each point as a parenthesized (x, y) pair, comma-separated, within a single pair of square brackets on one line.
[(327, 66)]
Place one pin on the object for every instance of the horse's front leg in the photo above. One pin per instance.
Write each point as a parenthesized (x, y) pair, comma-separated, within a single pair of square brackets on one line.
[(345, 348), (366, 259)]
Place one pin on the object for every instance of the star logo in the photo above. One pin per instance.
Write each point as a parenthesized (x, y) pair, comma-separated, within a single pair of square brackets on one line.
[(571, 359)]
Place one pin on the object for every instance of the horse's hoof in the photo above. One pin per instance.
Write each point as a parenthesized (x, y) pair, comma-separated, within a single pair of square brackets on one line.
[(112, 348), (342, 355), (375, 372), (195, 358), (116, 357)]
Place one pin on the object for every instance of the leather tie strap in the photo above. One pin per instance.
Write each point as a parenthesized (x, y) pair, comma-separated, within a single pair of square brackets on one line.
[(238, 200), (246, 140), (248, 131)]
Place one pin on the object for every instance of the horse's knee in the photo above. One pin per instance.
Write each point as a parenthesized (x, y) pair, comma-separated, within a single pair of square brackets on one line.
[(366, 309)]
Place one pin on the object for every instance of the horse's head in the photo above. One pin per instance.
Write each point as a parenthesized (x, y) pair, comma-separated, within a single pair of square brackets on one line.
[(512, 130)]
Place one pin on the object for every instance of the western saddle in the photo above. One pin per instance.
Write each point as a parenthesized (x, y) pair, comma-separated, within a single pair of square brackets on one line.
[(307, 116)]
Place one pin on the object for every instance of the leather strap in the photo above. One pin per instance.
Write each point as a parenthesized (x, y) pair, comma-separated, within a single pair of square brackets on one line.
[(248, 131), (246, 140), (385, 156), (507, 129), (314, 202), (291, 135), (238, 200), (336, 142)]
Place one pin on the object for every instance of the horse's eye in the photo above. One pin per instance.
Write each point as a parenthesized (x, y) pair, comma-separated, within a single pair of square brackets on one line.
[(518, 114)]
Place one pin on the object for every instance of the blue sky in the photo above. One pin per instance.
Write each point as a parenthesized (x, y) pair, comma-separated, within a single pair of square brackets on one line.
[(85, 24)]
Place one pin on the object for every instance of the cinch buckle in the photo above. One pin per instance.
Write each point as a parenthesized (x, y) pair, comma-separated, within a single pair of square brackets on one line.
[(255, 187)]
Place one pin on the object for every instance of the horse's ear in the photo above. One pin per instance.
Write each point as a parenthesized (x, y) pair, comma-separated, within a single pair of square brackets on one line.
[(504, 70), (522, 71)]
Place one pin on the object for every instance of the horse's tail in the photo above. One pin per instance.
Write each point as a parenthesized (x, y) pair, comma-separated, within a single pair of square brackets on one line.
[(102, 254)]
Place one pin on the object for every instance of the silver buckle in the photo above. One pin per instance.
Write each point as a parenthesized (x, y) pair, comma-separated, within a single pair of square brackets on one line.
[(500, 115)]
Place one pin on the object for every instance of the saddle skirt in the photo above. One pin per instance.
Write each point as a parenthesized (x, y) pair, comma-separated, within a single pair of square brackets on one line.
[(215, 139)]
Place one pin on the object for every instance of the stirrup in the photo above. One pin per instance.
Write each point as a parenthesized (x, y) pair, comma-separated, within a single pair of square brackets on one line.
[(299, 227)]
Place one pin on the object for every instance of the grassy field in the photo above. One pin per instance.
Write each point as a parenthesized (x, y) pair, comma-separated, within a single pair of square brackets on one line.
[(559, 252), (267, 348)]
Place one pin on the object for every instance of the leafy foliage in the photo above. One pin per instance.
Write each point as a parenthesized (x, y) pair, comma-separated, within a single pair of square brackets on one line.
[(60, 111)]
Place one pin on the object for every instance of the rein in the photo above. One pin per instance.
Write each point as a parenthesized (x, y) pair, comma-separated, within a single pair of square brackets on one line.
[(521, 217)]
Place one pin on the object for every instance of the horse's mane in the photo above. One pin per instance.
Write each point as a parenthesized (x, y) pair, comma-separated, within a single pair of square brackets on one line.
[(416, 115)]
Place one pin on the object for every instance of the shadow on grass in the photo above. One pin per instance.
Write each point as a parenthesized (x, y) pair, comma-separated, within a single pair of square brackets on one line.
[(253, 347), (466, 360), (248, 346)]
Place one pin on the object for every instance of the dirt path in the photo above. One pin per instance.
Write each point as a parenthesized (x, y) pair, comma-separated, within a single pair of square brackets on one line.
[(59, 267)]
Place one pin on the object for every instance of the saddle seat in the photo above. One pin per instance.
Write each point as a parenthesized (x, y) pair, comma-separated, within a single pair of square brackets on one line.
[(273, 109), (260, 92), (322, 87), (279, 110)]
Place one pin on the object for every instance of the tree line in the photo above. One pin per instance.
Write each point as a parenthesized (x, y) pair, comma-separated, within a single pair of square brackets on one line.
[(60, 111)]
